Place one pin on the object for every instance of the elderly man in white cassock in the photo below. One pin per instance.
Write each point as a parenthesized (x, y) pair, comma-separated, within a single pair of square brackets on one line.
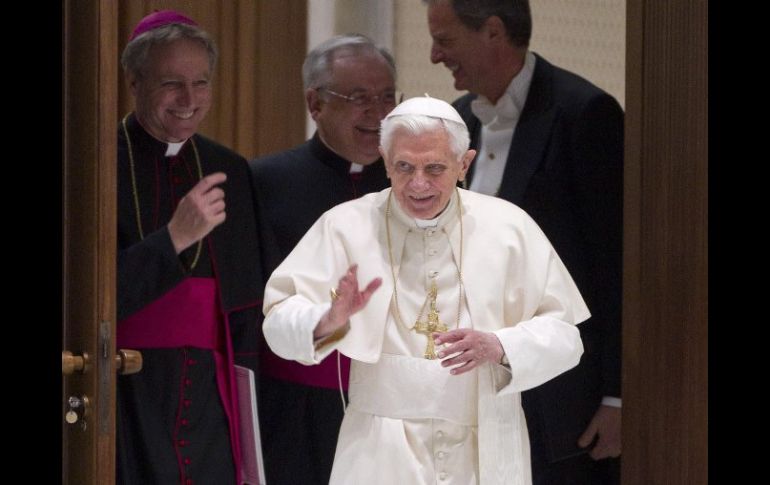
[(466, 304)]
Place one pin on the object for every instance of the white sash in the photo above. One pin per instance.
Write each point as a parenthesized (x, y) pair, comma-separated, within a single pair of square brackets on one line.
[(404, 387)]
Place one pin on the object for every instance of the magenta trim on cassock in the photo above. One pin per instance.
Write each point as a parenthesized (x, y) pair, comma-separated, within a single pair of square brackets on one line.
[(188, 316), (229, 393)]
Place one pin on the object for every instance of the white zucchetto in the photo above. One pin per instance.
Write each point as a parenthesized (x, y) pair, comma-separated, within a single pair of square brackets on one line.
[(427, 106)]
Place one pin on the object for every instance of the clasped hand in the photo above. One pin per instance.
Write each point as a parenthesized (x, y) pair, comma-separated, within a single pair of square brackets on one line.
[(467, 349)]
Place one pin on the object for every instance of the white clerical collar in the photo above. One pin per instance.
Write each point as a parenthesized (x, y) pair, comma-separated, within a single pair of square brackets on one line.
[(507, 110), (425, 223), (356, 167), (173, 148)]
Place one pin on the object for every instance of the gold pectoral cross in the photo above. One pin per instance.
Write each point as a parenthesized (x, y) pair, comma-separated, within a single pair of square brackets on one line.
[(430, 326)]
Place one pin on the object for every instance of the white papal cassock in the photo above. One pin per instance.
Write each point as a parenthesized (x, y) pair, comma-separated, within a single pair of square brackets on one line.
[(409, 421)]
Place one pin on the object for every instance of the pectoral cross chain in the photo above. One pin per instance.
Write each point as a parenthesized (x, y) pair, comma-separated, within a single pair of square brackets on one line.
[(430, 326)]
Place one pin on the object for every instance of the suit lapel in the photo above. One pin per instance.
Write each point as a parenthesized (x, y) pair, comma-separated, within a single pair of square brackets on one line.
[(530, 139)]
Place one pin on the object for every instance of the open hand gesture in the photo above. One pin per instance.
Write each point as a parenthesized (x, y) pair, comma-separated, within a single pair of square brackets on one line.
[(349, 300)]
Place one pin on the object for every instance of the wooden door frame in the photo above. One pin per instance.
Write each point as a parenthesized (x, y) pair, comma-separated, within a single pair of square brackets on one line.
[(89, 232), (665, 274)]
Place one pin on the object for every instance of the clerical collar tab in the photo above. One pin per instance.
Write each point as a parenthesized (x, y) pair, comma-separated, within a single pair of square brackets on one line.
[(426, 223), (173, 148), (427, 106)]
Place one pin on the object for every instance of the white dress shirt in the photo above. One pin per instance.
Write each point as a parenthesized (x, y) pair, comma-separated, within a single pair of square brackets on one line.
[(498, 125)]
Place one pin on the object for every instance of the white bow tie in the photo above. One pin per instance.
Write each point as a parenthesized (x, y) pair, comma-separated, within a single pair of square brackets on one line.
[(498, 116)]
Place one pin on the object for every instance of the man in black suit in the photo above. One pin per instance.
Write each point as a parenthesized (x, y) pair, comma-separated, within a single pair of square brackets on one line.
[(552, 143), (349, 88)]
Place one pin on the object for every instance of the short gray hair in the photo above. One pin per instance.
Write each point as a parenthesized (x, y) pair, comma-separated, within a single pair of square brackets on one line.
[(134, 58), (414, 124), (317, 68)]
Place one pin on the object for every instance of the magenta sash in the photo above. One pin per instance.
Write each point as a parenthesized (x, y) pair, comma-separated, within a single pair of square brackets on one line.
[(188, 316), (321, 375)]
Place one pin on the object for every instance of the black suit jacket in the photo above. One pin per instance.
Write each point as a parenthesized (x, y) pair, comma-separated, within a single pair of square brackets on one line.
[(565, 168), (297, 186)]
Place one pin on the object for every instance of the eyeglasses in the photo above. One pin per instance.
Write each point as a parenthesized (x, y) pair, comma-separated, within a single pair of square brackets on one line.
[(388, 98)]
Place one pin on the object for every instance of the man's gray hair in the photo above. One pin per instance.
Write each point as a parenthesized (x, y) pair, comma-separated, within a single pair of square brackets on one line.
[(135, 55), (317, 68), (414, 124)]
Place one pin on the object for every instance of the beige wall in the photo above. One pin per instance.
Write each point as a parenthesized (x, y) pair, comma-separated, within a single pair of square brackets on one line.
[(584, 36), (411, 48), (587, 37)]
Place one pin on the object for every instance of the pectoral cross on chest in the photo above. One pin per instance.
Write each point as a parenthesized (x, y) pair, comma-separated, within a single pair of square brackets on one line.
[(431, 324)]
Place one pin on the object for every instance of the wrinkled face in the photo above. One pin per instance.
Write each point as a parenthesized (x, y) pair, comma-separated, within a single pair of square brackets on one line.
[(424, 172), (462, 50), (352, 131), (173, 94)]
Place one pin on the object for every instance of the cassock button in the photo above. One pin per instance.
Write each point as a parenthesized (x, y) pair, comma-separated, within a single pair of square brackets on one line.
[(190, 361), (187, 461), (188, 481), (432, 252), (188, 382), (430, 232), (187, 403), (439, 434), (440, 455), (433, 274), (183, 442), (185, 422), (442, 476)]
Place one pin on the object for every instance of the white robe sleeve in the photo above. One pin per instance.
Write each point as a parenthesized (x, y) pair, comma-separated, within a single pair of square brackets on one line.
[(539, 350), (546, 341), (297, 295), (288, 330)]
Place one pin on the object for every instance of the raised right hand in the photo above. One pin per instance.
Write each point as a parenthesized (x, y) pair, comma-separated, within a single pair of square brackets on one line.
[(199, 212), (350, 300)]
